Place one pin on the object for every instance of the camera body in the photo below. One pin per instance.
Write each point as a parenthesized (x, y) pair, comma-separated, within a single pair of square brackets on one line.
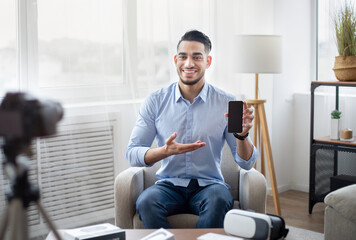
[(23, 116)]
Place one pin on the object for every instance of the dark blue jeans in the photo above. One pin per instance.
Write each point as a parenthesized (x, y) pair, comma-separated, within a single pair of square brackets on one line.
[(163, 199)]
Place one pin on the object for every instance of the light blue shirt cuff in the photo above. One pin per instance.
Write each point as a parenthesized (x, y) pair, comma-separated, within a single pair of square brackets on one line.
[(247, 165), (141, 155), (137, 156)]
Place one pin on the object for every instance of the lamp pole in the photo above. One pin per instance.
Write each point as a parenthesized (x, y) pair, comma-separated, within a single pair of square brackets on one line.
[(256, 86), (260, 129)]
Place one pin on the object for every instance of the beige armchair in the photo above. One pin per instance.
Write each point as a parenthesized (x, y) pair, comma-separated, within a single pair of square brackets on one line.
[(248, 189), (340, 214)]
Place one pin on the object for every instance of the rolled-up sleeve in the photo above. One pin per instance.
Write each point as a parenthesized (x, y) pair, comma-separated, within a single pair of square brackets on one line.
[(247, 165), (142, 134)]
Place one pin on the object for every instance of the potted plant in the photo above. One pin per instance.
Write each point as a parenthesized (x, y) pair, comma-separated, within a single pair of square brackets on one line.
[(335, 124), (345, 30)]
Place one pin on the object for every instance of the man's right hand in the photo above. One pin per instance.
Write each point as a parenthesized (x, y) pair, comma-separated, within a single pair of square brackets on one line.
[(154, 155), (172, 147)]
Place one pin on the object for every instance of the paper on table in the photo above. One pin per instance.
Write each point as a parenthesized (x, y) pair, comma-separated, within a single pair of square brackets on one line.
[(160, 234)]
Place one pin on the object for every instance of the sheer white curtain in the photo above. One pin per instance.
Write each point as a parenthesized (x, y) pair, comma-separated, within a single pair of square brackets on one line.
[(80, 50), (8, 47), (161, 24)]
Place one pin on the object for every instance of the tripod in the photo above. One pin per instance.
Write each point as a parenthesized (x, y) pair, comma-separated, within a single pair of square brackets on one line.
[(21, 193)]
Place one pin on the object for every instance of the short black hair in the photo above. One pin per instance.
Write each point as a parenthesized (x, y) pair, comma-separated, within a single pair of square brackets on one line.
[(195, 35)]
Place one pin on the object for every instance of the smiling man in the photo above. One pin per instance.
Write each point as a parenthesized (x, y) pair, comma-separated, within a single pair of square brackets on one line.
[(188, 120)]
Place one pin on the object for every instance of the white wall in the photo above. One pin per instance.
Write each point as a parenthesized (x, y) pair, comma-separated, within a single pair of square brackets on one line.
[(294, 19), (299, 161)]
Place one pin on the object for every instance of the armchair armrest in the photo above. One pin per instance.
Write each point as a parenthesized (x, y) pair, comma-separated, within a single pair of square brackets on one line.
[(252, 190), (128, 186)]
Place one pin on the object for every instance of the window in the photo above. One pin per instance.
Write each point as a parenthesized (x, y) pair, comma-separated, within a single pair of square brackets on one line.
[(95, 51), (8, 47), (80, 50)]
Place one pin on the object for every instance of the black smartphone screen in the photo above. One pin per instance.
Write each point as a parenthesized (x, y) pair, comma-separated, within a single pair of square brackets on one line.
[(234, 122)]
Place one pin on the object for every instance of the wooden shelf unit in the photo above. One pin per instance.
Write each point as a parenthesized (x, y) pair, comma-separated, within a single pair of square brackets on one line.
[(334, 141)]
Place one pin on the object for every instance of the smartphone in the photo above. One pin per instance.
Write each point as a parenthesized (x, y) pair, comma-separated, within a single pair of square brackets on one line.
[(234, 122)]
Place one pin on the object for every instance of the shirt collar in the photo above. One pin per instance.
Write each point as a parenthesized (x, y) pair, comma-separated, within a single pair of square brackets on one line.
[(178, 95), (203, 93)]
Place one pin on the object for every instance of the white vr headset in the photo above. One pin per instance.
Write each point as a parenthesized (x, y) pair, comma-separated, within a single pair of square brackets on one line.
[(253, 225)]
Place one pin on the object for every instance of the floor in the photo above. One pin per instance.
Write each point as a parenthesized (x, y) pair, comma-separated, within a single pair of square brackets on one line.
[(294, 208)]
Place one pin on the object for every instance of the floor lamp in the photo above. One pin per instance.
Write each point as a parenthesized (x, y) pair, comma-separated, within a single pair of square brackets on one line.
[(261, 54)]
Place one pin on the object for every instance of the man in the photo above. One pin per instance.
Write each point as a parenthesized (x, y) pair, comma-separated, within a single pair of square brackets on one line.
[(189, 121)]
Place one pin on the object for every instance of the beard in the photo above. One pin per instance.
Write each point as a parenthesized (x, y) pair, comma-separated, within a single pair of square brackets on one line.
[(191, 82)]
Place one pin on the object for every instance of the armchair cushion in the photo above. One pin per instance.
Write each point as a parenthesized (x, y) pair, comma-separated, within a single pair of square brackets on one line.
[(340, 214), (343, 201)]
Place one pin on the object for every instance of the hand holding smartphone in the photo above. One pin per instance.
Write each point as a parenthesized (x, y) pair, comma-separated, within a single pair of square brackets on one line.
[(234, 122)]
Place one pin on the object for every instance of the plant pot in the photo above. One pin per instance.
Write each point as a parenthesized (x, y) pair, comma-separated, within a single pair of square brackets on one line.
[(345, 68), (335, 129)]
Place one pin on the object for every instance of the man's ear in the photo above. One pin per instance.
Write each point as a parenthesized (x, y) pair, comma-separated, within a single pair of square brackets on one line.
[(175, 59), (208, 61)]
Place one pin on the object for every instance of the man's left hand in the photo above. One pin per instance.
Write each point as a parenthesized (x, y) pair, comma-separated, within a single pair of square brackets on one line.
[(247, 119)]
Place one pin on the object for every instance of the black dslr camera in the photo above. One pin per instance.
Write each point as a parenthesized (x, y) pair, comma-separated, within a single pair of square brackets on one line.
[(23, 116)]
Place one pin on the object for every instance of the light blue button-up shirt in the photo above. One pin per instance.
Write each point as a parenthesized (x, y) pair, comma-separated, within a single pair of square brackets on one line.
[(165, 112)]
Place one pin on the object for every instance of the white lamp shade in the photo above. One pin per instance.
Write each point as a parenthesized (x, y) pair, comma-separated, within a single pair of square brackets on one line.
[(258, 53)]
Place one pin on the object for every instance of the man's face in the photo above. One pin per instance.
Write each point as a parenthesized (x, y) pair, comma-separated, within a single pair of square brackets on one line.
[(191, 62)]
